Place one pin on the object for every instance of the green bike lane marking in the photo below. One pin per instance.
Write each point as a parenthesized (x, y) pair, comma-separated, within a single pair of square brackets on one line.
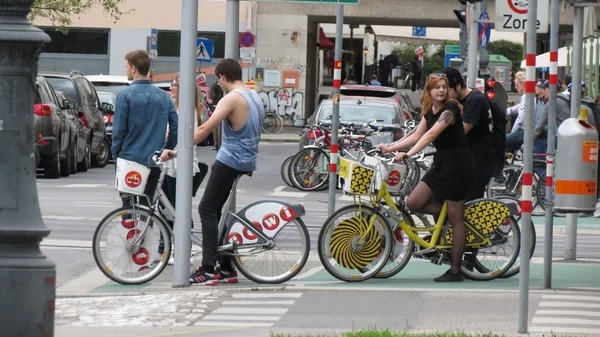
[(561, 222), (420, 274)]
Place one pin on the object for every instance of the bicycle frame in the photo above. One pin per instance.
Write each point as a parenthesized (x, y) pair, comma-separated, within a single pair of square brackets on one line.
[(412, 232)]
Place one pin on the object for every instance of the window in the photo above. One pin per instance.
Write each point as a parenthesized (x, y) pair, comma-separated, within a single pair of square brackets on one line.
[(65, 85), (77, 41), (169, 42)]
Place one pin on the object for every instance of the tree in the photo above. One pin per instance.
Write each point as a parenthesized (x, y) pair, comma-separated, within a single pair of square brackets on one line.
[(60, 12), (511, 50)]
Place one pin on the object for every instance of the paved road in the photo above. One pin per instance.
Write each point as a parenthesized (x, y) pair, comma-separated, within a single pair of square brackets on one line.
[(203, 312), (72, 207)]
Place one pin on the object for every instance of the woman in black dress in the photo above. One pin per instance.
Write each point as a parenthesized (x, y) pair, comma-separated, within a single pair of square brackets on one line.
[(452, 169)]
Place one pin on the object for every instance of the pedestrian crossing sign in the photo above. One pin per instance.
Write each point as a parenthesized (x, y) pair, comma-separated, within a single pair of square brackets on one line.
[(204, 50)]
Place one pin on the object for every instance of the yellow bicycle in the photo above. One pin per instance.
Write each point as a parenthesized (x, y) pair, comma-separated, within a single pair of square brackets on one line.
[(375, 237)]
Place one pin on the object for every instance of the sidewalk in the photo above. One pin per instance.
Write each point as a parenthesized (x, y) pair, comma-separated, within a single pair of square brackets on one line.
[(288, 134)]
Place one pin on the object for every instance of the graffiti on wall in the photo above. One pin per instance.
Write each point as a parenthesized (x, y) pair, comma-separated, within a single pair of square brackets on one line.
[(287, 102), (282, 63)]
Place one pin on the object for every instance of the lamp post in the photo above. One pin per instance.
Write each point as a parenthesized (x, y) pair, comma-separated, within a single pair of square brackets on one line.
[(365, 52), (27, 277)]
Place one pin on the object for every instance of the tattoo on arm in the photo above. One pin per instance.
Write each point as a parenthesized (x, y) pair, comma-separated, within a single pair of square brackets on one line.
[(447, 117)]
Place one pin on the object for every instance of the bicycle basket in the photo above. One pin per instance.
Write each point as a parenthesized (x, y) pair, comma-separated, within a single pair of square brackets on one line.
[(131, 177), (393, 174), (355, 177)]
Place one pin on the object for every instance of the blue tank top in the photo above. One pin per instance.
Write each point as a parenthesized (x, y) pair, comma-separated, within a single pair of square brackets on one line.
[(239, 149)]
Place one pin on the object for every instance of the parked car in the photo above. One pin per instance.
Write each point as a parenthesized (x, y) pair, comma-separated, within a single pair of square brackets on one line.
[(112, 83), (83, 93), (110, 98), (52, 133), (81, 134), (358, 110), (376, 91)]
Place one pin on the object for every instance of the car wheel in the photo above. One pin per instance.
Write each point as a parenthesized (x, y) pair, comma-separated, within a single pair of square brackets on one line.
[(52, 166), (101, 159), (73, 166), (85, 164)]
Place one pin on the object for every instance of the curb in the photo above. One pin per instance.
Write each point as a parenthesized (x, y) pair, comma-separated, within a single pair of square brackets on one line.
[(279, 140)]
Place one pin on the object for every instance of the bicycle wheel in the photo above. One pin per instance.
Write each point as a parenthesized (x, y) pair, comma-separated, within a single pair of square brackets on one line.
[(510, 183), (540, 191), (349, 248), (309, 169), (488, 267), (285, 171), (401, 251), (130, 246), (249, 253)]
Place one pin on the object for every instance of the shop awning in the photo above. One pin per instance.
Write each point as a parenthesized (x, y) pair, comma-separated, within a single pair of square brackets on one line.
[(324, 42)]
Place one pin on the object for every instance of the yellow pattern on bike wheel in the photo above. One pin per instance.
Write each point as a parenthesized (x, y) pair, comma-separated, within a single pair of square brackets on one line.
[(485, 216), (341, 243)]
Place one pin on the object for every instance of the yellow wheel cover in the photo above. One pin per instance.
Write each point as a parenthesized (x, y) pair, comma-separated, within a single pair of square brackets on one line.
[(342, 238)]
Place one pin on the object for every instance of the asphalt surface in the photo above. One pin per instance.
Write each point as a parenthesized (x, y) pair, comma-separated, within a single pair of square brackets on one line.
[(72, 207)]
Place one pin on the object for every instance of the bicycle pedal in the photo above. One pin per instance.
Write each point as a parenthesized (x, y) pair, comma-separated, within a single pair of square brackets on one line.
[(422, 252)]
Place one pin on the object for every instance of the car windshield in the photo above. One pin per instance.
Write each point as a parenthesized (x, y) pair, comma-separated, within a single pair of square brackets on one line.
[(368, 93), (362, 113), (106, 97), (109, 86), (65, 85)]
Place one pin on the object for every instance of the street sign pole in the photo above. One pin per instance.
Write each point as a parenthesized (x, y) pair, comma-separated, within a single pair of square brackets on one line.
[(232, 30), (551, 152), (185, 142), (472, 65), (335, 112), (526, 202), (571, 230)]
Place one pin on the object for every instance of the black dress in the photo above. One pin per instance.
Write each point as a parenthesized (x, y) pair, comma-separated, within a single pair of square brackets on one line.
[(453, 168)]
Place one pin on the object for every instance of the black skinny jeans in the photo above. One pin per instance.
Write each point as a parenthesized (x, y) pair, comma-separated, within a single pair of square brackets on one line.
[(215, 195)]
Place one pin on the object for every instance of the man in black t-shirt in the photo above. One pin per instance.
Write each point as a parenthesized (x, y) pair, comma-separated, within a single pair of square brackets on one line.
[(478, 125)]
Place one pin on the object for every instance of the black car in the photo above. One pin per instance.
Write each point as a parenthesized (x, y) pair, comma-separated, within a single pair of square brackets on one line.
[(52, 136), (83, 156), (109, 100), (82, 92)]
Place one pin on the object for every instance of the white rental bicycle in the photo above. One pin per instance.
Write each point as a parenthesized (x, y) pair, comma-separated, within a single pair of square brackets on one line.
[(132, 245)]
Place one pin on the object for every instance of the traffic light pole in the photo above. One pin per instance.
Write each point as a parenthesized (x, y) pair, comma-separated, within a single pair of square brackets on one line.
[(527, 178), (472, 65)]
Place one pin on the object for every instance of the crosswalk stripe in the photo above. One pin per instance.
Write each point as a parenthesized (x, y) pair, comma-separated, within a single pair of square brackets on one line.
[(239, 324), (573, 297), (568, 312), (269, 295), (258, 302), (241, 318), (564, 330), (248, 310), (561, 321), (569, 304)]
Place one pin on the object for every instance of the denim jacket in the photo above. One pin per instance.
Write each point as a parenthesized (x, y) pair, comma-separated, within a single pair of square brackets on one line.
[(142, 113)]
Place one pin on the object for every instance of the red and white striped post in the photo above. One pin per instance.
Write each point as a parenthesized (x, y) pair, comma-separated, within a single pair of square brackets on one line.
[(335, 111), (553, 80), (526, 202)]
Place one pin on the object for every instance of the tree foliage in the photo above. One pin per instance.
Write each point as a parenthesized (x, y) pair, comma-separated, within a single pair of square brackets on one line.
[(511, 50), (431, 64), (60, 12)]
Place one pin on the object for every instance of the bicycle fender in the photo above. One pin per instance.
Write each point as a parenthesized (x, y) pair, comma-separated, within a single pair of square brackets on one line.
[(310, 147), (267, 216), (513, 206), (262, 210)]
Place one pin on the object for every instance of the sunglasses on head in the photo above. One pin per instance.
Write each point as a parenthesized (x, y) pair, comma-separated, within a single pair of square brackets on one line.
[(437, 75)]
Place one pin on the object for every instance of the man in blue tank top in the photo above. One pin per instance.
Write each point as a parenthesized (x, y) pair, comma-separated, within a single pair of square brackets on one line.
[(241, 113)]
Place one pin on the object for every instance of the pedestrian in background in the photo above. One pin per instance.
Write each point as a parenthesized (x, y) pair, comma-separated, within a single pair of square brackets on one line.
[(215, 94)]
